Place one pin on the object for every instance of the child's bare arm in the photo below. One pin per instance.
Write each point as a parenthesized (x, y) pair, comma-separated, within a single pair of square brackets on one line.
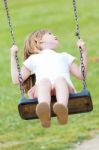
[(76, 69), (14, 72)]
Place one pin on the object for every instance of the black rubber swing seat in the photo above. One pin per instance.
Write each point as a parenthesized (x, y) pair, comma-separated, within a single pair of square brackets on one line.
[(78, 103)]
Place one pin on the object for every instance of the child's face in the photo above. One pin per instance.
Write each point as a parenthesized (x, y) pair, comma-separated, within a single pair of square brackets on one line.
[(50, 40)]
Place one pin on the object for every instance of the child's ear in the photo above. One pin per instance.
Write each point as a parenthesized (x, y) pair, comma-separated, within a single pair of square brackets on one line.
[(36, 41)]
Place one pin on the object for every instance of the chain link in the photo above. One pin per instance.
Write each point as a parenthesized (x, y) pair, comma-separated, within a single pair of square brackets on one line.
[(13, 43), (78, 35)]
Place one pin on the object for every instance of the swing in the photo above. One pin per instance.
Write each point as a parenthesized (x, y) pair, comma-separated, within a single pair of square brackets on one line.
[(78, 102)]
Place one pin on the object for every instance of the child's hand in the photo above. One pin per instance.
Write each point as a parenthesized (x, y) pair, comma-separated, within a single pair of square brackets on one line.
[(81, 44), (14, 49)]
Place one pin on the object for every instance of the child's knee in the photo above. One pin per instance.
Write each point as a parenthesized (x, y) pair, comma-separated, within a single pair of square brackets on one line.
[(60, 80), (45, 82), (31, 92)]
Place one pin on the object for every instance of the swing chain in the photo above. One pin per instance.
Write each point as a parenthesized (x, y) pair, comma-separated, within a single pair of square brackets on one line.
[(76, 19), (78, 35), (9, 22), (13, 43)]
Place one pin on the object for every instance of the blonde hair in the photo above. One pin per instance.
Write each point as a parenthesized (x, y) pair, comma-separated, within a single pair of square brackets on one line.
[(32, 46)]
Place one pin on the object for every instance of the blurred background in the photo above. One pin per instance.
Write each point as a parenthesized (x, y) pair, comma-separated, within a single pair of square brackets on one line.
[(58, 17)]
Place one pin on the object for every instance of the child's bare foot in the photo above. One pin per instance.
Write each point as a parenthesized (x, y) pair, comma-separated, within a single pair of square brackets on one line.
[(62, 113), (43, 112)]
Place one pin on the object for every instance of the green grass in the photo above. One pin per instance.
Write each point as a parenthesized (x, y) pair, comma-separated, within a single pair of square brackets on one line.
[(57, 16)]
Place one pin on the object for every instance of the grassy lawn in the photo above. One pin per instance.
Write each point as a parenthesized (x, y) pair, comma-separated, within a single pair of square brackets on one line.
[(57, 16)]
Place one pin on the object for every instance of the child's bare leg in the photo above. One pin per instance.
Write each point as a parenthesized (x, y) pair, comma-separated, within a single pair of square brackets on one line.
[(44, 91), (62, 95), (44, 98), (31, 93), (62, 92)]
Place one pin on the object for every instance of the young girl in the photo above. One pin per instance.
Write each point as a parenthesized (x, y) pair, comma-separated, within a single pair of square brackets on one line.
[(52, 71)]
